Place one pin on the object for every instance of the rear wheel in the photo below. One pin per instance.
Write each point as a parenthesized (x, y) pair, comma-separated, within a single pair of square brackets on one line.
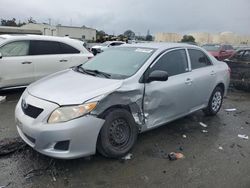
[(215, 102), (118, 134)]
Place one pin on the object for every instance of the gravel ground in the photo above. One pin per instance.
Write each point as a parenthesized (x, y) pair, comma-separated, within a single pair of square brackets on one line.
[(218, 158)]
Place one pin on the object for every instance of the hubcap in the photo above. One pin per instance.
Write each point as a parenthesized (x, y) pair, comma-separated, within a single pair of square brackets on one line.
[(119, 133), (216, 101)]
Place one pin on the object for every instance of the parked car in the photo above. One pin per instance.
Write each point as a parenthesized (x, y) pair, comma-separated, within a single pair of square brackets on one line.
[(27, 58), (241, 55), (101, 47), (219, 51), (103, 104)]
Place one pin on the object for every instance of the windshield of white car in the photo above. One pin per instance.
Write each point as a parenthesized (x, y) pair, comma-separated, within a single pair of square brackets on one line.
[(119, 63)]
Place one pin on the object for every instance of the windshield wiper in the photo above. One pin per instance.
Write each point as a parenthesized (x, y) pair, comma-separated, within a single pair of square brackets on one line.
[(97, 72), (79, 68)]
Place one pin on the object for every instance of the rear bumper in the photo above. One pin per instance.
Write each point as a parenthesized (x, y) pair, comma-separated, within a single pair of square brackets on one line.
[(80, 134)]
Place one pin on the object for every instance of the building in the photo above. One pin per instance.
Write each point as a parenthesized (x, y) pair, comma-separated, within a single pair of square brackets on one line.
[(168, 37), (80, 33), (204, 37)]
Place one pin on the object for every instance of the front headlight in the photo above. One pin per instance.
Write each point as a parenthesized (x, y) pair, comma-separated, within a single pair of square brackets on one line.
[(67, 113)]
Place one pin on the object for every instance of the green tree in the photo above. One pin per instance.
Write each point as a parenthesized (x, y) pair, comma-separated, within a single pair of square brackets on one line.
[(129, 34), (149, 38), (11, 23), (188, 38)]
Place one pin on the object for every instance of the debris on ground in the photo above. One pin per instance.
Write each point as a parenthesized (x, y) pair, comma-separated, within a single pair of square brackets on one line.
[(243, 136), (203, 125), (184, 136), (204, 131), (220, 148), (2, 99), (230, 109), (174, 156), (128, 156), (10, 145), (3, 186)]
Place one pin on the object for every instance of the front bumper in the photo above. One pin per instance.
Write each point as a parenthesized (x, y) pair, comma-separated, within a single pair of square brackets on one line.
[(81, 134)]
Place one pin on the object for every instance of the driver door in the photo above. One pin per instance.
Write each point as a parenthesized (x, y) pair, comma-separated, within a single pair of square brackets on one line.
[(168, 100)]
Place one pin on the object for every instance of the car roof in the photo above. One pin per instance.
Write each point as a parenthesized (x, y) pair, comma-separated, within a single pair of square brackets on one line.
[(34, 37), (160, 45)]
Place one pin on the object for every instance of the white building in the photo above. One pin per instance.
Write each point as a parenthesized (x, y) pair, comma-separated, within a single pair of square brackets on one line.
[(81, 33)]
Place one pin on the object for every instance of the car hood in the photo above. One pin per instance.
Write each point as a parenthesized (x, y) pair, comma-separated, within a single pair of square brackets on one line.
[(70, 87)]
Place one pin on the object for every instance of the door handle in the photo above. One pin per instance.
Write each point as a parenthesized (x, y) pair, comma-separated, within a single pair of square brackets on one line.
[(63, 60), (26, 62), (212, 73), (188, 81)]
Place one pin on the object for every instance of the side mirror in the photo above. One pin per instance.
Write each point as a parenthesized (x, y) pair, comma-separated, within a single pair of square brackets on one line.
[(157, 75), (1, 56)]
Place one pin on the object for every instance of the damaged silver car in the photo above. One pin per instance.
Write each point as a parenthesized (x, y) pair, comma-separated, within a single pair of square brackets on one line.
[(103, 104)]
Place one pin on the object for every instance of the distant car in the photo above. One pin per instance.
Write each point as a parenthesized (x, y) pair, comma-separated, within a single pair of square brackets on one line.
[(240, 56), (26, 58), (103, 104), (219, 51), (101, 47)]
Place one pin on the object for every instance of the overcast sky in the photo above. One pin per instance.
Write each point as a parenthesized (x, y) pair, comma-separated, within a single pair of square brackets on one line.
[(116, 16)]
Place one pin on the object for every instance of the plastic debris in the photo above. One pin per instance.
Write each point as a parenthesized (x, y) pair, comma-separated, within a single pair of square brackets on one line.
[(2, 99), (184, 136), (243, 136), (128, 156), (220, 148), (174, 156), (204, 131), (203, 125), (230, 109)]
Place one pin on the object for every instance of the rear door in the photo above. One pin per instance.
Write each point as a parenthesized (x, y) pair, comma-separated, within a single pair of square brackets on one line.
[(167, 100), (203, 76), (16, 67), (48, 57)]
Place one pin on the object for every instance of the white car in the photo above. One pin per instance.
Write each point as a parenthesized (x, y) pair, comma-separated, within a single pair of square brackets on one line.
[(27, 58), (101, 47)]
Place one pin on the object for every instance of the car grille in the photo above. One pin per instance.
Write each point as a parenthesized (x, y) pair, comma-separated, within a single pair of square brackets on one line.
[(30, 110)]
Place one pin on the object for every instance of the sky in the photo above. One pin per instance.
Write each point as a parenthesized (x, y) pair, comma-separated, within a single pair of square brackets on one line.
[(117, 16)]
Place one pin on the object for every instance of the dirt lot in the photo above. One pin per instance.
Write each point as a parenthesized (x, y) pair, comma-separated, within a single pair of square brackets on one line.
[(218, 158)]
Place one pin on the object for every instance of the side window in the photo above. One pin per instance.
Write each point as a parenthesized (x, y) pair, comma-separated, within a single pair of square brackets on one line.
[(174, 62), (44, 48), (67, 49), (18, 48), (198, 59), (112, 44)]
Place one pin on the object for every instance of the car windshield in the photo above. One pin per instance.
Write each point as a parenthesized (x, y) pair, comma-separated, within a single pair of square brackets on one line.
[(211, 47), (119, 63)]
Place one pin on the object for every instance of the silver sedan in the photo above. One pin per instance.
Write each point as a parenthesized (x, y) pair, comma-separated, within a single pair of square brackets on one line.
[(103, 104)]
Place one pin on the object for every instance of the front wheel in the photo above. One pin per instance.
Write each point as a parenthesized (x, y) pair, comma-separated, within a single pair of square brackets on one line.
[(118, 134), (215, 102)]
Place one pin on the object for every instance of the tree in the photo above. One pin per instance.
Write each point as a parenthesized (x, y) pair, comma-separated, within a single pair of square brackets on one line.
[(100, 36), (149, 38), (31, 20), (129, 34), (188, 38), (11, 23)]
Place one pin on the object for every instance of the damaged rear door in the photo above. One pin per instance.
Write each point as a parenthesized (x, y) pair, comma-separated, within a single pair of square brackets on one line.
[(168, 100)]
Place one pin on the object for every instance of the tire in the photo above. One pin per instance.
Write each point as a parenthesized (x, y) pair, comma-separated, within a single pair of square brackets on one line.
[(118, 134), (215, 102)]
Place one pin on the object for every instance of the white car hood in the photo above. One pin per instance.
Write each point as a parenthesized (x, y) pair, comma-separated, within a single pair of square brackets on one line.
[(70, 87)]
